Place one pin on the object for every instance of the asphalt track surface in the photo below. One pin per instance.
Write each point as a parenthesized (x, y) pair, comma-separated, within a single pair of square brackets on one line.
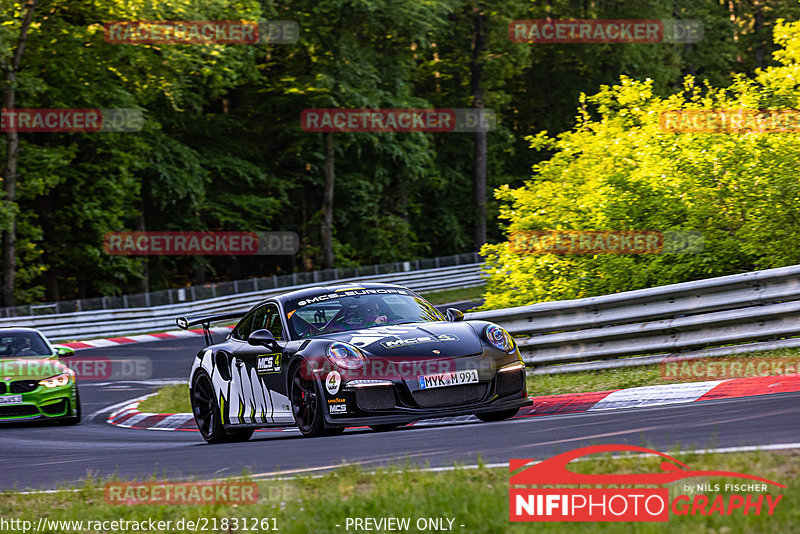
[(42, 457)]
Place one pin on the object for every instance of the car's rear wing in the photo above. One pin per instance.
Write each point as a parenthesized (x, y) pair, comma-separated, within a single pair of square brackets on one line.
[(186, 322)]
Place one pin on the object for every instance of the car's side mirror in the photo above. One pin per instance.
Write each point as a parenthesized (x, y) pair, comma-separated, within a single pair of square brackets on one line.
[(61, 352), (454, 315), (263, 338)]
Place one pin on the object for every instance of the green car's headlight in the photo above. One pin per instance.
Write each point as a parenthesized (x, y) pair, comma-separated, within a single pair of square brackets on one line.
[(56, 381)]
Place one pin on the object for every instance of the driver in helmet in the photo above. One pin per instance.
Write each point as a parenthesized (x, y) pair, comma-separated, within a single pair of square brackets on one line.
[(372, 314)]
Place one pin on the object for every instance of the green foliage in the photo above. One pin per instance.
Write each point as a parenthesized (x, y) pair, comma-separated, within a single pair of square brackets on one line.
[(222, 147), (622, 172)]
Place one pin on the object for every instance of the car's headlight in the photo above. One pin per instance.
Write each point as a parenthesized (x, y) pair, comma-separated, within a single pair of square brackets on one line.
[(345, 355), (55, 381), (499, 338)]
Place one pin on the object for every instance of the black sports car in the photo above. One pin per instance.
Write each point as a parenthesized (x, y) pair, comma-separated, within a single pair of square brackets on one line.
[(326, 358)]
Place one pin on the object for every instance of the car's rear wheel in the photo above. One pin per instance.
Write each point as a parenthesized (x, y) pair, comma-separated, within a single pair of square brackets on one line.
[(206, 411), (488, 417), (306, 402)]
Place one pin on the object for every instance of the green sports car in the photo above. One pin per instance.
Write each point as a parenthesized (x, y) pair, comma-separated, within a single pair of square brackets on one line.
[(34, 383)]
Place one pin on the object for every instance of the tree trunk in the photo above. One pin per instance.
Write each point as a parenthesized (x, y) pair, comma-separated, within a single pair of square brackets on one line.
[(144, 281), (327, 205), (479, 157), (9, 236), (758, 25)]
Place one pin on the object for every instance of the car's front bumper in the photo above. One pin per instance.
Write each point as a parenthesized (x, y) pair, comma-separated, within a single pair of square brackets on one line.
[(41, 404), (416, 415), (400, 401)]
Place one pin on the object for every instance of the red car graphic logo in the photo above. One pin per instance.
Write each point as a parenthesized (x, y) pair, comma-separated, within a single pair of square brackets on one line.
[(553, 471)]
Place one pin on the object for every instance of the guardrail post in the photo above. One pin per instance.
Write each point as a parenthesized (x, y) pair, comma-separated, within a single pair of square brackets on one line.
[(124, 301), (191, 292), (236, 286), (294, 279), (274, 280), (147, 299), (457, 260), (103, 300), (437, 261), (255, 284)]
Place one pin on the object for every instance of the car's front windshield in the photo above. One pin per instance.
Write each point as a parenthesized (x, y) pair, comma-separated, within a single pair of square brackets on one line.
[(21, 344), (355, 309)]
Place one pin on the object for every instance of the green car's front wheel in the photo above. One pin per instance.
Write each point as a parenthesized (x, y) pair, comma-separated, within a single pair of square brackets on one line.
[(74, 419)]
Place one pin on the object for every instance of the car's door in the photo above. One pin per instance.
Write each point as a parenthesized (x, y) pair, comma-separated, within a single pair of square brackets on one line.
[(267, 363), (250, 401)]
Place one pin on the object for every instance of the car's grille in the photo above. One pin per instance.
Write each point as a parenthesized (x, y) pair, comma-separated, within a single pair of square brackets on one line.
[(18, 410), (509, 382), (24, 386), (375, 398), (2, 388), (429, 398), (56, 408)]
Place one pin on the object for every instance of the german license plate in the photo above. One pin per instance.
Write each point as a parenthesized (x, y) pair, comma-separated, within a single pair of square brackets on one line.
[(455, 378), (11, 399)]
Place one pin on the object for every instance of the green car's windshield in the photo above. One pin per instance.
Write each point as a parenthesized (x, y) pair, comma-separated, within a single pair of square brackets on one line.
[(356, 309), (21, 344)]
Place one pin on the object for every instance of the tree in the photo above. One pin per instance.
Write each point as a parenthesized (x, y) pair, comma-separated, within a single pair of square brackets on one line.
[(9, 235), (621, 171)]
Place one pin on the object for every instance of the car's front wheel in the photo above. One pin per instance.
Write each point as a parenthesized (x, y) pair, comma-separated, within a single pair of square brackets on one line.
[(488, 417), (306, 403), (74, 419)]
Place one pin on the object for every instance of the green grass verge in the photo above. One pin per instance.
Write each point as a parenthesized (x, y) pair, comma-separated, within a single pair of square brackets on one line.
[(475, 498), (168, 399), (455, 295)]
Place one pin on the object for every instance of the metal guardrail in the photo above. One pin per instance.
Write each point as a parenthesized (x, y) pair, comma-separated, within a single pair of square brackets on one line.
[(220, 289), (726, 315), (718, 316), (104, 323)]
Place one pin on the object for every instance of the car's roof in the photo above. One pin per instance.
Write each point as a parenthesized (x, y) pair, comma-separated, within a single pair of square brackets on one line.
[(18, 330), (317, 290)]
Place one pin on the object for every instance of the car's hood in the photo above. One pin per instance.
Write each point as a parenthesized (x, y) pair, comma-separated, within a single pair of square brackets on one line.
[(31, 368), (433, 339)]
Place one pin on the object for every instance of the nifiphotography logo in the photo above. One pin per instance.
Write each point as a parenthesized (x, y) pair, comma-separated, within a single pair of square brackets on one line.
[(633, 497)]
